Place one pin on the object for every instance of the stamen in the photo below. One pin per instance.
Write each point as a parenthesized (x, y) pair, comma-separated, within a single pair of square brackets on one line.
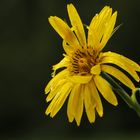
[(82, 61)]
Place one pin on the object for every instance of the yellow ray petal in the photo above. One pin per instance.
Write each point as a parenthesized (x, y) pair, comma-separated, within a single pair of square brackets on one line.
[(52, 104), (93, 40), (108, 31), (119, 75), (104, 17), (95, 22), (65, 90), (89, 104), (96, 97), (67, 48), (77, 24), (63, 63), (122, 64), (72, 102), (64, 30), (80, 79), (97, 27), (55, 90), (79, 107), (105, 89), (55, 79), (125, 60), (101, 14)]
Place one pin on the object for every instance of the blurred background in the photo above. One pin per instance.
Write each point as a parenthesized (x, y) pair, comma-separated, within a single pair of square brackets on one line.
[(29, 47)]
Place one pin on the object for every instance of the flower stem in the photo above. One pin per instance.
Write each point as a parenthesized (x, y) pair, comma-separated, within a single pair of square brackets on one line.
[(130, 100)]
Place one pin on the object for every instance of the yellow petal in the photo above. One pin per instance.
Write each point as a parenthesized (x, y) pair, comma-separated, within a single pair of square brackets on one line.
[(72, 102), (96, 97), (108, 31), (104, 17), (103, 11), (79, 108), (126, 60), (63, 63), (55, 79), (59, 101), (97, 27), (119, 75), (67, 48), (52, 104), (80, 79), (93, 40), (55, 90), (63, 30), (105, 89), (95, 69), (89, 104), (119, 62), (76, 24)]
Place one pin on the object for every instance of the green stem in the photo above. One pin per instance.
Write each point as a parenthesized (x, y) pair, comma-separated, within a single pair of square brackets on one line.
[(130, 100)]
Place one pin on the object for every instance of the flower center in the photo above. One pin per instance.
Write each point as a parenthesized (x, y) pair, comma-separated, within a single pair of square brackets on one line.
[(84, 65), (82, 61)]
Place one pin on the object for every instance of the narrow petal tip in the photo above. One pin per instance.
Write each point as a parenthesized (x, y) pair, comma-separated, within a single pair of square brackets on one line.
[(116, 103), (101, 113)]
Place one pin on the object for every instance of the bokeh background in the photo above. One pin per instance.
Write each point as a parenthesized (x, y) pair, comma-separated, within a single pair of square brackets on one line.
[(29, 47)]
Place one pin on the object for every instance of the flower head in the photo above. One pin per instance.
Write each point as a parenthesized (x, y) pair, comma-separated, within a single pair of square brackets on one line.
[(81, 79)]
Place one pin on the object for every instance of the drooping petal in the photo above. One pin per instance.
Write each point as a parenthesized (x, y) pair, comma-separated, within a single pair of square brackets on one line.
[(64, 31), (108, 31), (56, 89), (51, 105), (119, 75), (119, 62), (55, 79), (59, 99), (96, 97), (124, 59), (72, 102), (77, 24), (89, 103), (79, 107), (105, 89)]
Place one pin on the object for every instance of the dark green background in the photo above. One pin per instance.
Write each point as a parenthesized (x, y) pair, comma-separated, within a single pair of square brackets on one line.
[(29, 47)]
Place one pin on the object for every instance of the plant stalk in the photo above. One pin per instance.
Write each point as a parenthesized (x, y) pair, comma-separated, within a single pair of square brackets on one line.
[(131, 101)]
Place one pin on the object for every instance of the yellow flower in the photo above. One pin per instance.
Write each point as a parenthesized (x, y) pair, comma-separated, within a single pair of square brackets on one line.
[(80, 79)]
